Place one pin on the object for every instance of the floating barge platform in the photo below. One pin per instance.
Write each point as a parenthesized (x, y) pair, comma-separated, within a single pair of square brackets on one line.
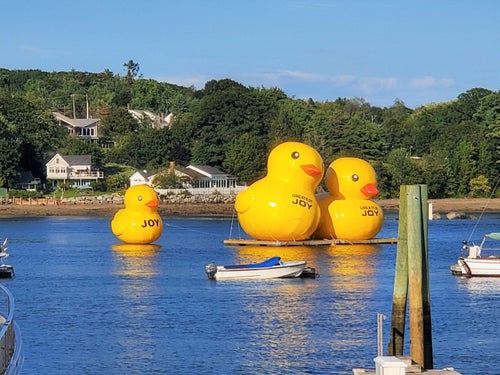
[(250, 242)]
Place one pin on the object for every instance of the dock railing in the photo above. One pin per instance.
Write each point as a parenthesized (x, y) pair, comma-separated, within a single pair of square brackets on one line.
[(11, 350)]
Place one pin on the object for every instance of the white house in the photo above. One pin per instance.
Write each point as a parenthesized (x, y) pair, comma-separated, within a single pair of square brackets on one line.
[(141, 178), (75, 170), (205, 176), (195, 178), (85, 129), (157, 121)]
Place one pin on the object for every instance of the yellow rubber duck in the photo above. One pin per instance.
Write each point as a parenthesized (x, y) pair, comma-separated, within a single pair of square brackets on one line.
[(282, 206), (139, 222), (346, 210)]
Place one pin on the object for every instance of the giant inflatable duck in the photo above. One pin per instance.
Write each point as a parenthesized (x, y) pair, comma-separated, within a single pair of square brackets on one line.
[(139, 222), (282, 206), (346, 210)]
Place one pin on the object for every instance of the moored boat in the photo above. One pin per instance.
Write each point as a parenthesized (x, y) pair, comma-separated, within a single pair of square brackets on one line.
[(480, 260), (271, 268), (6, 270)]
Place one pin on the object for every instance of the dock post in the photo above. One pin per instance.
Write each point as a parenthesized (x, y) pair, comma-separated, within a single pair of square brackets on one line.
[(426, 291), (399, 297), (412, 277)]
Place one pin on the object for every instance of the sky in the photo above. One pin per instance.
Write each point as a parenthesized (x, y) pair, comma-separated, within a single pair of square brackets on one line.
[(415, 51)]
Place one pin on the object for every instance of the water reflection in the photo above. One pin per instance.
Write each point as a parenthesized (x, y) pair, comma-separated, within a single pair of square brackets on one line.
[(136, 260), (353, 266), (136, 265), (480, 285), (290, 312), (253, 254)]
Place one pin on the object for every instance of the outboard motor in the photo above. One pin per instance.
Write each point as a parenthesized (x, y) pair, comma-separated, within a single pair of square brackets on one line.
[(211, 270)]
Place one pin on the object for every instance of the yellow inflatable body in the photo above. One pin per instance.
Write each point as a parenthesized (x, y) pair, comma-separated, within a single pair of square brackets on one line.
[(346, 210), (282, 206), (139, 222)]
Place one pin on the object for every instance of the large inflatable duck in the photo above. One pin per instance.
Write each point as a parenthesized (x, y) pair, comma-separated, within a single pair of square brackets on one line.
[(347, 211), (282, 206), (139, 222)]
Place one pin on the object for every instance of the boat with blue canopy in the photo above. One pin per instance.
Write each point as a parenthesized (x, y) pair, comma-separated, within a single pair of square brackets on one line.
[(271, 268)]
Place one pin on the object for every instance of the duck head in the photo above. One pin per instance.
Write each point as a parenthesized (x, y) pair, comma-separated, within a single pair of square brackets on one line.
[(351, 178), (295, 162), (141, 197)]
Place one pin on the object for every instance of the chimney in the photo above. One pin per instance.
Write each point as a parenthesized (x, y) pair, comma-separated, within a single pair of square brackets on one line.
[(172, 167)]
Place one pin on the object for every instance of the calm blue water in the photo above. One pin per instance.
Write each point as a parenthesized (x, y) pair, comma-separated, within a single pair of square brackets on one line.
[(85, 306)]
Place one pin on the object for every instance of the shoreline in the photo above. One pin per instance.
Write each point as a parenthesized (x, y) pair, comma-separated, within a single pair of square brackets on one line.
[(439, 206)]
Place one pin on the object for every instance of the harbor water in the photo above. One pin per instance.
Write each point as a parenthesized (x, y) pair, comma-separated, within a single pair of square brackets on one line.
[(88, 306)]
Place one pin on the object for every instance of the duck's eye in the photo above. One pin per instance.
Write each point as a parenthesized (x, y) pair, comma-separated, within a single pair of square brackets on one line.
[(295, 155), (139, 198), (355, 177)]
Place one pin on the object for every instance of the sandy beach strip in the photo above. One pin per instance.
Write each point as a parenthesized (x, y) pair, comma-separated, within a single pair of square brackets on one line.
[(442, 206)]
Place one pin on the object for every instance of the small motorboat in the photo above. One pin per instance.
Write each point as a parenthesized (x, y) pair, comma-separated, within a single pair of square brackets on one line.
[(271, 268), (6, 270), (480, 261)]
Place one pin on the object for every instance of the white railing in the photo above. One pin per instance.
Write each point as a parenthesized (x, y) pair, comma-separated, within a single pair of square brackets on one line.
[(91, 175), (11, 349), (203, 191), (86, 175)]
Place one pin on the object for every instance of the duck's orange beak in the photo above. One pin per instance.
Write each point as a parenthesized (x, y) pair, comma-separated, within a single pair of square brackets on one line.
[(369, 190), (311, 169), (152, 204)]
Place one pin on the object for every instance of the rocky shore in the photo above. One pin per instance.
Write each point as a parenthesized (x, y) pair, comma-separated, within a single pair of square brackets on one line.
[(217, 207)]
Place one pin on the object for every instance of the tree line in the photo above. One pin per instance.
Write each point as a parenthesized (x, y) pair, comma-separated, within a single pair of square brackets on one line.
[(453, 147)]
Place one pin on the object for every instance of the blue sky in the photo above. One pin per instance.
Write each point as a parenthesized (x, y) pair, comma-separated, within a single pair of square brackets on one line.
[(420, 51)]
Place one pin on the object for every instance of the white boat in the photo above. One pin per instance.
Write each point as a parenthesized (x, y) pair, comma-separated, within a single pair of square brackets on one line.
[(6, 270), (479, 260), (271, 268)]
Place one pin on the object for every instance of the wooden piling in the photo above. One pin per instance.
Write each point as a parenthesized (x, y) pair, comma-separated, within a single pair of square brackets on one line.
[(415, 246), (412, 278), (426, 291), (399, 297)]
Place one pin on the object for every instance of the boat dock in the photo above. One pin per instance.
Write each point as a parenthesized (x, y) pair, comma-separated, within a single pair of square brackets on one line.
[(251, 242), (401, 365)]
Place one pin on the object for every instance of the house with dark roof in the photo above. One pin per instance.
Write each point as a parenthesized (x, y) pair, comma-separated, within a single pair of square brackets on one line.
[(205, 176), (26, 181), (84, 129), (74, 170)]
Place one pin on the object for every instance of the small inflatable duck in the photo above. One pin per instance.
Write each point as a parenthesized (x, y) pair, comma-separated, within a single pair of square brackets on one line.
[(139, 222), (346, 210), (282, 206)]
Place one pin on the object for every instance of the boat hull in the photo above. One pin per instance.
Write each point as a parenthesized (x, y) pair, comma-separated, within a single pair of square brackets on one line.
[(485, 266), (283, 270)]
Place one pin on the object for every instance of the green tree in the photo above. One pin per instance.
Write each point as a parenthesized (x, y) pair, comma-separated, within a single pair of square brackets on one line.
[(462, 168), (244, 158), (479, 187), (10, 154), (402, 170), (35, 128), (132, 69), (119, 122)]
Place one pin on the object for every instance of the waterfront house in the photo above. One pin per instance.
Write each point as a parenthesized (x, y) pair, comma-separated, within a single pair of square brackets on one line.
[(26, 181), (74, 170), (84, 129), (205, 176), (151, 119), (142, 178)]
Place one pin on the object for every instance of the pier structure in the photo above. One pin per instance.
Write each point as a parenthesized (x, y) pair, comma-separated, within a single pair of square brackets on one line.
[(325, 242), (412, 290)]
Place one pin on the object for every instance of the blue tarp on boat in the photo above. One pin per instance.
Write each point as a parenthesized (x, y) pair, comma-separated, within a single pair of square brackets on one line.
[(274, 261)]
